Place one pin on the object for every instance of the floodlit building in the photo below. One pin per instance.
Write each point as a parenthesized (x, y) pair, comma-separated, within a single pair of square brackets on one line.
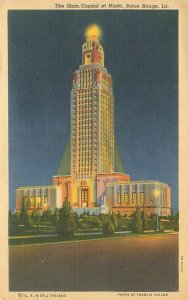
[(87, 193), (92, 130), (38, 197), (92, 115), (92, 184), (151, 196)]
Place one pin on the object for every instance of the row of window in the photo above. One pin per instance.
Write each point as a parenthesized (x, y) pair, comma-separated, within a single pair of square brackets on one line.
[(85, 111), (37, 192), (86, 132), (87, 139), (126, 198), (86, 78), (34, 199), (86, 129), (84, 82), (85, 98), (81, 93), (86, 73), (84, 125), (86, 156), (85, 151), (85, 175), (133, 186), (86, 146), (82, 107), (83, 120), (86, 69)]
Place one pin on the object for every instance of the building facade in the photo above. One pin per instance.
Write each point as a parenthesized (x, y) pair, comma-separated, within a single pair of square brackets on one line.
[(151, 196), (92, 123), (88, 192), (39, 197), (92, 184)]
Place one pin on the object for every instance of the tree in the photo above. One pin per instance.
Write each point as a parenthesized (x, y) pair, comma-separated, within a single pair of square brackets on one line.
[(47, 215), (108, 224), (66, 224), (119, 221), (144, 220), (13, 221), (35, 216), (176, 223), (76, 220), (24, 215), (108, 227), (137, 221), (113, 219), (55, 217)]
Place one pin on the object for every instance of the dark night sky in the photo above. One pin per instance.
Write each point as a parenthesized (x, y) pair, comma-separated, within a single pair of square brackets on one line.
[(141, 53)]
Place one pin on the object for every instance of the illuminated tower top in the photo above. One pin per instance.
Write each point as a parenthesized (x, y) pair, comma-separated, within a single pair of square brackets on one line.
[(92, 51)]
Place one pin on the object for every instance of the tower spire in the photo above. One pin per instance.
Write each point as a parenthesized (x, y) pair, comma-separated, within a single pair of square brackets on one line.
[(92, 51)]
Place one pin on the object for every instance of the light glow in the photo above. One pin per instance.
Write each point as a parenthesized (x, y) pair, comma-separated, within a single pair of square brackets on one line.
[(157, 193), (93, 32)]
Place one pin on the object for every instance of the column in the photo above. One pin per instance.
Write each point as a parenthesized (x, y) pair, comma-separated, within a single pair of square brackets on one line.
[(114, 191), (29, 199), (89, 202), (130, 195), (79, 197), (35, 198), (48, 193), (138, 195), (41, 197), (122, 195)]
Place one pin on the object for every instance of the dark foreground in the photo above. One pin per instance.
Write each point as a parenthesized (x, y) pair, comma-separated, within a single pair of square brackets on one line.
[(123, 264)]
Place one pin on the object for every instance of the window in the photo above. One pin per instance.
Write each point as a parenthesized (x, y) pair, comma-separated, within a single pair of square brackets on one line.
[(118, 198), (45, 195), (134, 198), (84, 197), (142, 198), (126, 198)]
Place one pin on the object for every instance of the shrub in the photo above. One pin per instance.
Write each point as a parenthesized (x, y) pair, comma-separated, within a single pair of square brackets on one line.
[(55, 217), (108, 227), (13, 223), (144, 220), (35, 216), (24, 217), (66, 224), (108, 223), (47, 215), (137, 221)]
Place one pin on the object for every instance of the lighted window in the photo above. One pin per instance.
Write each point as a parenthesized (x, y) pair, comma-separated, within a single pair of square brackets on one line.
[(134, 198), (142, 198)]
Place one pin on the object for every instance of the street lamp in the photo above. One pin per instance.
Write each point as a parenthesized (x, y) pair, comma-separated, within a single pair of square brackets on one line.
[(157, 193)]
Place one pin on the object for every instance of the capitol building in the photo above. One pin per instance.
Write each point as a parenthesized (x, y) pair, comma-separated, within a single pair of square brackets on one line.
[(93, 185)]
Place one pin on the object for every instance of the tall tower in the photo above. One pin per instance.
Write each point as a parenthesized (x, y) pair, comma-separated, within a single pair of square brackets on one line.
[(92, 112)]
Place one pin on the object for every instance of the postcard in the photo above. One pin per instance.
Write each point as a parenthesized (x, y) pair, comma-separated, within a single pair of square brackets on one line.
[(94, 149)]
